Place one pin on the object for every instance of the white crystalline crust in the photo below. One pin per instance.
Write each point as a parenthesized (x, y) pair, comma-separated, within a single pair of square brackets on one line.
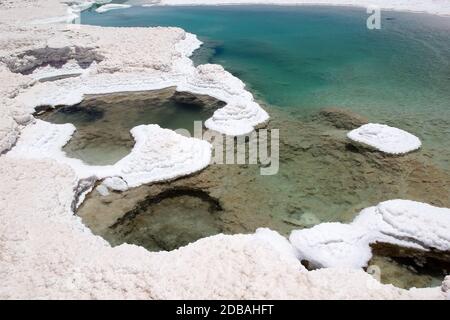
[(134, 59), (159, 154), (401, 222), (69, 68), (112, 6), (385, 138), (239, 116), (46, 252), (115, 183), (441, 7), (332, 245)]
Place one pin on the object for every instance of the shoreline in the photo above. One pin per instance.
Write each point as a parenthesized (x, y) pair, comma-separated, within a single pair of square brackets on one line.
[(406, 6)]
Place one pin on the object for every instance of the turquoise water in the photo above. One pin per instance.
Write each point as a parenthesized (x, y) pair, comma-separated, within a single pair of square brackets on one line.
[(306, 58)]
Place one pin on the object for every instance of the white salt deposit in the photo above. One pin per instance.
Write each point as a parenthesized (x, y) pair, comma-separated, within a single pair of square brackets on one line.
[(401, 222), (48, 253), (385, 138), (113, 6)]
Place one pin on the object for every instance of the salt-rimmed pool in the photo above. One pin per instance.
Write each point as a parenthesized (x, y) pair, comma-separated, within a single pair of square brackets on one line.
[(298, 60), (103, 122)]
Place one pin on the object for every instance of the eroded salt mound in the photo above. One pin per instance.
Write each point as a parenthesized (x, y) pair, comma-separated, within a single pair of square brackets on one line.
[(385, 138), (407, 223), (332, 245), (112, 6)]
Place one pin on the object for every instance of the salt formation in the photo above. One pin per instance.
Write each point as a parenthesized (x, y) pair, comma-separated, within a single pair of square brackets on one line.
[(385, 138), (332, 245), (428, 6), (48, 253), (109, 7), (161, 61), (408, 224), (115, 183), (404, 223)]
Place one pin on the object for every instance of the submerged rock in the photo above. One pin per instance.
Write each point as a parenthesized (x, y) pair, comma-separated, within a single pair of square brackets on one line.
[(304, 220), (341, 118)]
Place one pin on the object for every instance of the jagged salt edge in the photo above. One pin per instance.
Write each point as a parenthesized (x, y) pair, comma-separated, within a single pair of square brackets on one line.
[(332, 244)]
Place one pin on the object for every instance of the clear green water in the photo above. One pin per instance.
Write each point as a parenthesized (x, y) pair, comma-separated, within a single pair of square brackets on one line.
[(306, 58)]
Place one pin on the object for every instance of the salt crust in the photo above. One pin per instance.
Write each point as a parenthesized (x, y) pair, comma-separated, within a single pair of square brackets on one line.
[(48, 253), (385, 138), (159, 154), (428, 6), (113, 6), (404, 223)]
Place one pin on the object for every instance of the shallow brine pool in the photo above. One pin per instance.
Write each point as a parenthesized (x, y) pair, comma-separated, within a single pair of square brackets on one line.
[(296, 61)]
